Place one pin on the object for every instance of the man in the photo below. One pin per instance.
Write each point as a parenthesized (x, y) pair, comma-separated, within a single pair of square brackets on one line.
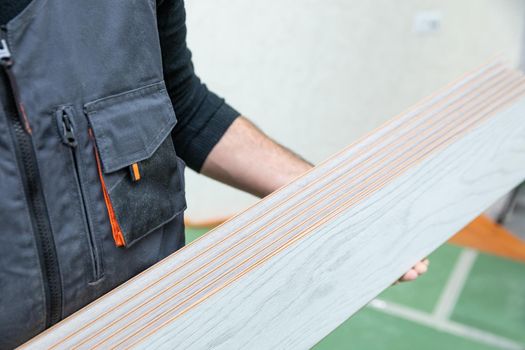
[(99, 100)]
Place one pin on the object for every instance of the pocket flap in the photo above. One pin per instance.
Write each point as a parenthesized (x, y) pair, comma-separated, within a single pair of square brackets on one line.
[(129, 127)]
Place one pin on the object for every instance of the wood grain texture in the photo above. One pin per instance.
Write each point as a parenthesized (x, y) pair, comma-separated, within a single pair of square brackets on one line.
[(290, 269)]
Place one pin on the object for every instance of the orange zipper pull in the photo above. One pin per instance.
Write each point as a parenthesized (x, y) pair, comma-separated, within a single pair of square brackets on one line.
[(118, 236), (135, 172)]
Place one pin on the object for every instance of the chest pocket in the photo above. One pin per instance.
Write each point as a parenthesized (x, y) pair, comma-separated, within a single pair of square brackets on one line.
[(141, 177)]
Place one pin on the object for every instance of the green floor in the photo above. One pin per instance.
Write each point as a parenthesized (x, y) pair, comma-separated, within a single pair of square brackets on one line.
[(492, 302)]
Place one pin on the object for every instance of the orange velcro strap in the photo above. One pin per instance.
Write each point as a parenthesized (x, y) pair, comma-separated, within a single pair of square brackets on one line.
[(118, 236)]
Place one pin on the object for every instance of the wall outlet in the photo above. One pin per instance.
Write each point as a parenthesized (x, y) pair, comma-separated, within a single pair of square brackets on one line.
[(426, 22)]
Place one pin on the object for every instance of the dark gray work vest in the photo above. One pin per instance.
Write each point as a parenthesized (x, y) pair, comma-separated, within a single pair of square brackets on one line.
[(86, 158)]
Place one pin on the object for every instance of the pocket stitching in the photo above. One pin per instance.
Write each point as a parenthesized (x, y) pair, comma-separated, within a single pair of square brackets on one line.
[(91, 107)]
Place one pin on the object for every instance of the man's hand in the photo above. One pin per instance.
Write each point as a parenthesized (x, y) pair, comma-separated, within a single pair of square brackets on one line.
[(247, 159), (416, 271)]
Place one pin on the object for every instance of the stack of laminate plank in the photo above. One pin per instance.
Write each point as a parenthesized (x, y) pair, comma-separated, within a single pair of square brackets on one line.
[(291, 268)]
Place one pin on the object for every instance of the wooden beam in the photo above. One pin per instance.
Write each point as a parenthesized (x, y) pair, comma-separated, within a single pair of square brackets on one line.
[(287, 271)]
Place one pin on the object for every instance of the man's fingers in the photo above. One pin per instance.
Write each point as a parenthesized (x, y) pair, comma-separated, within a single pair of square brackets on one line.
[(409, 276), (420, 268)]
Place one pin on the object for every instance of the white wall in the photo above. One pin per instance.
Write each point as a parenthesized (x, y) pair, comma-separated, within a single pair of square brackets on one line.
[(317, 74)]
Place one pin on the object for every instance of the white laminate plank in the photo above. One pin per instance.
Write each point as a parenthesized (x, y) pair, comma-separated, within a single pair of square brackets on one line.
[(299, 296)]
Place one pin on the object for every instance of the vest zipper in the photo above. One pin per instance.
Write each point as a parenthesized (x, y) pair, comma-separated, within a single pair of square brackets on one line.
[(69, 138), (21, 131)]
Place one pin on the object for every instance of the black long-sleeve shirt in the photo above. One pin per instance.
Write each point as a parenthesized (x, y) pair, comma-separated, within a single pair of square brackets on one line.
[(203, 117)]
